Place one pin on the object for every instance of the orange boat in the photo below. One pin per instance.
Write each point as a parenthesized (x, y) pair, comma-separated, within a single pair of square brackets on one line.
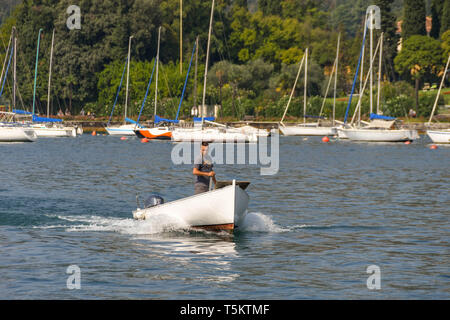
[(158, 133)]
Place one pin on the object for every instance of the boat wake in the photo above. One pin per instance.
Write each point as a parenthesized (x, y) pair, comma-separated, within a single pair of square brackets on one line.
[(258, 222), (156, 224)]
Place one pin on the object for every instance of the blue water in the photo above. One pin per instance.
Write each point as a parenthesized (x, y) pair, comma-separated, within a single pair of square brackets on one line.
[(312, 230)]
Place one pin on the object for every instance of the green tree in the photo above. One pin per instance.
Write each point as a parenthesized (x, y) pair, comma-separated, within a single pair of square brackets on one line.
[(446, 43), (7, 8), (445, 18), (414, 12), (436, 15), (420, 56), (391, 38), (270, 7), (349, 15)]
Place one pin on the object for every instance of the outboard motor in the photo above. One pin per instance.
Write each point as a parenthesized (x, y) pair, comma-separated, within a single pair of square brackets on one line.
[(153, 201)]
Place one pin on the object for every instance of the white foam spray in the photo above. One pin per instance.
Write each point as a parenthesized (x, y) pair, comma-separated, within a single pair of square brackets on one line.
[(253, 222)]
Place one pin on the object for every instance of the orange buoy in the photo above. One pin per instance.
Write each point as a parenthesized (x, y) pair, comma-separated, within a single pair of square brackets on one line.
[(123, 138), (144, 140), (326, 139), (433, 147), (407, 142), (94, 133)]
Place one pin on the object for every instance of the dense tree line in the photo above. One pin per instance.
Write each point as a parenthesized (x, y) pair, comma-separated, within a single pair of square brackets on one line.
[(253, 60), (6, 8)]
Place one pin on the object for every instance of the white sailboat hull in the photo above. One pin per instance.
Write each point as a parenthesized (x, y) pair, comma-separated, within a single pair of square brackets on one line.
[(381, 135), (308, 131), (341, 133), (47, 132), (17, 134), (123, 130), (212, 135), (249, 130), (439, 136), (221, 209), (79, 131)]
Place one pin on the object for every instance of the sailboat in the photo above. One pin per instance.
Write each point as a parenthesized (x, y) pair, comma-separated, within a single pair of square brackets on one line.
[(439, 136), (10, 131), (380, 128), (158, 132), (46, 126), (311, 129), (218, 134), (126, 129)]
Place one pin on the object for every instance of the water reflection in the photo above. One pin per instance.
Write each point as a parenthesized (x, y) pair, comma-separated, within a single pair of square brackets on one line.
[(209, 256)]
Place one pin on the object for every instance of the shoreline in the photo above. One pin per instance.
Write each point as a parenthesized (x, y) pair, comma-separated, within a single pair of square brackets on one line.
[(99, 125)]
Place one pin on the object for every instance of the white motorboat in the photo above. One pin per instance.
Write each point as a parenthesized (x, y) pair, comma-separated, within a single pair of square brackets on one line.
[(17, 134), (220, 209), (439, 136), (307, 129)]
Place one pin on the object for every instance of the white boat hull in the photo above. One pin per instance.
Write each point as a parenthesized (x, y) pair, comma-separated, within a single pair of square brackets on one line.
[(44, 132), (307, 131), (79, 131), (17, 134), (249, 130), (123, 130), (212, 135), (381, 135), (221, 209), (341, 134), (439, 136)]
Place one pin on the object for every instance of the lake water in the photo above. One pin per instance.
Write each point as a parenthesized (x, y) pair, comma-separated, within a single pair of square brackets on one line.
[(311, 232)]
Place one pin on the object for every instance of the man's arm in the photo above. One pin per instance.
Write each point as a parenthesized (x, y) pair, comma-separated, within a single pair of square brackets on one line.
[(197, 172)]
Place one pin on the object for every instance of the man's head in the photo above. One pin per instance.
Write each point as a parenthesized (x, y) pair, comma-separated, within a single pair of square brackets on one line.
[(204, 148)]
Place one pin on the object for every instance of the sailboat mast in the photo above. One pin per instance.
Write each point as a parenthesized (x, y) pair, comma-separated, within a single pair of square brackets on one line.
[(157, 70), (305, 86), (14, 70), (379, 74), (335, 79), (371, 56), (50, 75), (195, 77), (207, 59), (128, 78), (293, 89), (181, 36), (358, 106), (36, 69), (10, 43), (361, 78), (439, 91)]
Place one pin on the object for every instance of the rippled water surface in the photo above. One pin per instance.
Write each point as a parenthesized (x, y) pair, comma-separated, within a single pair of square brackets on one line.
[(312, 230)]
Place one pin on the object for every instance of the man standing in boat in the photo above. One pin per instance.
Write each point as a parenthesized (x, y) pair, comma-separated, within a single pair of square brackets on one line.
[(203, 170)]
